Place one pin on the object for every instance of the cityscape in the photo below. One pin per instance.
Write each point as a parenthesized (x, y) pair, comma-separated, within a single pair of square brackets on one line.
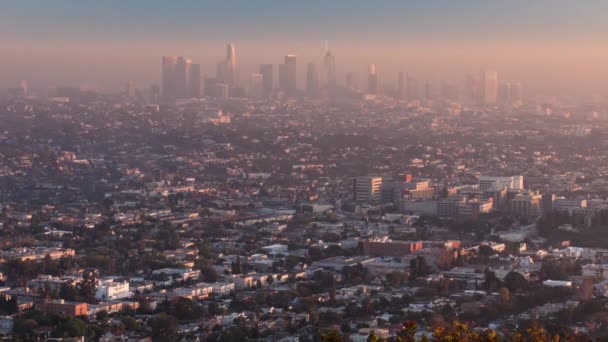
[(318, 195)]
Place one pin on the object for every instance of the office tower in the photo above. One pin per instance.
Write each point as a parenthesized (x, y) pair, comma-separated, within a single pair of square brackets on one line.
[(312, 80), (194, 81), (504, 93), (168, 82), (372, 80), (400, 85), (130, 89), (154, 94), (290, 75), (231, 64), (490, 87), (216, 89), (266, 71), (517, 95), (473, 91), (182, 73), (411, 88), (330, 70), (283, 77), (351, 81), (256, 86), (222, 74), (428, 90), (367, 189)]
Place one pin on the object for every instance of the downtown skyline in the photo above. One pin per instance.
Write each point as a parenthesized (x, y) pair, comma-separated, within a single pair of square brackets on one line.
[(551, 48)]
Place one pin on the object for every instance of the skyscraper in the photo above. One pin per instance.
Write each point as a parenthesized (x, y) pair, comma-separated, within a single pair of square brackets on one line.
[(411, 88), (473, 92), (372, 80), (194, 81), (231, 64), (182, 73), (400, 85), (168, 82), (490, 87), (504, 93), (290, 75), (517, 93), (330, 70), (428, 90), (256, 86), (351, 81), (312, 80), (266, 71)]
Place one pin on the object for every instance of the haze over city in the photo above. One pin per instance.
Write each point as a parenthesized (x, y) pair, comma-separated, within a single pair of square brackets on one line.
[(552, 46), (303, 171)]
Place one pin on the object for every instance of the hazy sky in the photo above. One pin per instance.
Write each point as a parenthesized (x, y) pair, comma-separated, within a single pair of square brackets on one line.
[(558, 43)]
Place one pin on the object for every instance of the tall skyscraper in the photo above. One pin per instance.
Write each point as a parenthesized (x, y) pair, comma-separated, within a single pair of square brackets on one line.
[(168, 82), (266, 71), (330, 70), (182, 73), (504, 93), (517, 93), (490, 87), (400, 85), (256, 86), (372, 80), (283, 77), (473, 88), (312, 80), (227, 68), (428, 91), (231, 64), (411, 88), (291, 86), (194, 81)]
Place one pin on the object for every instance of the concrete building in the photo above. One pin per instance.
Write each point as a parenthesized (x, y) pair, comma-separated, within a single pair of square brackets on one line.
[(489, 183), (367, 189)]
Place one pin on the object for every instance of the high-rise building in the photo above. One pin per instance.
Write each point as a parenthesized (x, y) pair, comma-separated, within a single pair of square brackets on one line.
[(330, 70), (372, 80), (351, 81), (194, 81), (312, 80), (367, 189), (504, 94), (182, 73), (473, 92), (168, 82), (516, 92), (290, 75), (256, 86), (231, 64), (428, 91), (411, 88), (490, 87), (400, 85), (266, 72)]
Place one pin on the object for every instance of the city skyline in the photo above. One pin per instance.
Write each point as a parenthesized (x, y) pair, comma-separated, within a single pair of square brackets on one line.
[(436, 41)]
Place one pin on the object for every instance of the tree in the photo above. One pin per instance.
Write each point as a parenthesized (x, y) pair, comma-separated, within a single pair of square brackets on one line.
[(330, 336), (164, 327), (71, 327), (505, 295), (485, 250), (515, 281)]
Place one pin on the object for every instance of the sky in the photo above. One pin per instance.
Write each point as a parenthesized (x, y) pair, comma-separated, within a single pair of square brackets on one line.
[(554, 44)]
